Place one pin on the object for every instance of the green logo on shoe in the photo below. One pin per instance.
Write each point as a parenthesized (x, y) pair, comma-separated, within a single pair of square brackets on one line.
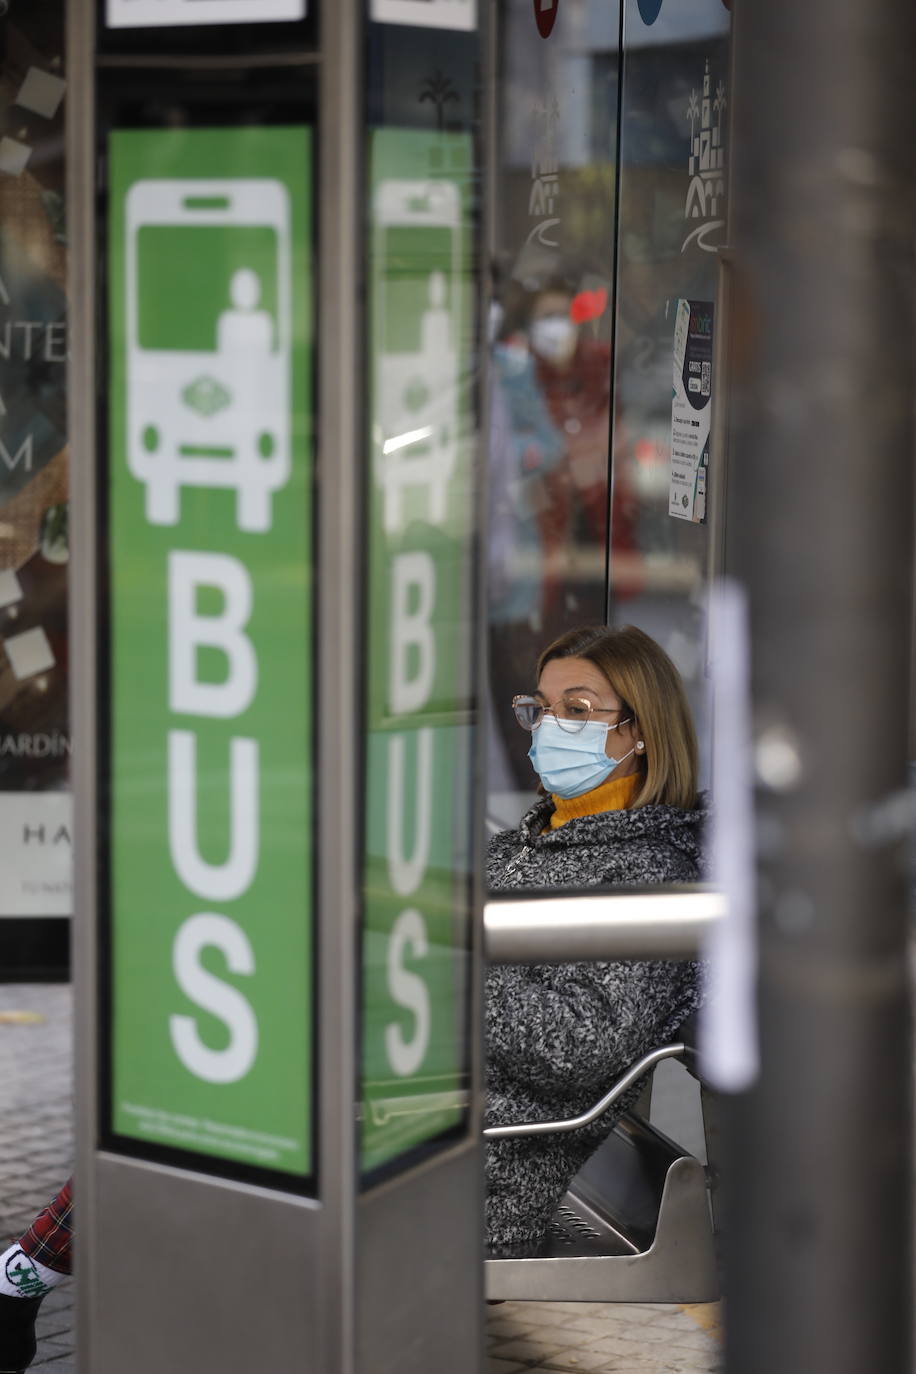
[(21, 1274)]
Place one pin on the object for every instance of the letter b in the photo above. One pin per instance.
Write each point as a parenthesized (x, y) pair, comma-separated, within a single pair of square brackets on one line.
[(190, 631), (412, 630)]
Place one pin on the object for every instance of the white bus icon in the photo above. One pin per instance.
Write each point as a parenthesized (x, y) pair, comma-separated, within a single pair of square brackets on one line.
[(208, 342), (418, 315)]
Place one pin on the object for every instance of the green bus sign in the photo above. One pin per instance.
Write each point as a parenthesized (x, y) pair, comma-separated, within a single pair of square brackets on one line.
[(416, 893), (210, 634)]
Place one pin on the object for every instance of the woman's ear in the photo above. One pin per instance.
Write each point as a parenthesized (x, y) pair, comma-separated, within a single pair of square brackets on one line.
[(628, 735)]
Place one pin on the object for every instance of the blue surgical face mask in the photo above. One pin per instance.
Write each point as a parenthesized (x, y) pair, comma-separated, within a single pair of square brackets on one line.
[(569, 764)]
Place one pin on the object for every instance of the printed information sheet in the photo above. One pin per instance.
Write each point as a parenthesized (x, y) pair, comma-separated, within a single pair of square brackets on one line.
[(691, 409)]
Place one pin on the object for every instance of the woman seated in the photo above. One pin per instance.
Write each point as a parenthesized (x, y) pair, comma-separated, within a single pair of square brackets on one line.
[(615, 749)]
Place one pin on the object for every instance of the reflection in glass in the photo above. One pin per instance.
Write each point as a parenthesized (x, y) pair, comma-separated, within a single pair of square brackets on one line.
[(419, 628), (551, 336), (588, 521), (671, 222)]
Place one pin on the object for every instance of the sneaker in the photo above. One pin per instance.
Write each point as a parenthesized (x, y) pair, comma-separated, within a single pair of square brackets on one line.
[(17, 1333)]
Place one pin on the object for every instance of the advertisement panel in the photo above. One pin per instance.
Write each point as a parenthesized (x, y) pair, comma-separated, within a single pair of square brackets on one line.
[(419, 691), (210, 639), (35, 805)]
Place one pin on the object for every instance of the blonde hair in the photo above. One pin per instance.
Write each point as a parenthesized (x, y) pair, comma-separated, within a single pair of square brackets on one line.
[(647, 682)]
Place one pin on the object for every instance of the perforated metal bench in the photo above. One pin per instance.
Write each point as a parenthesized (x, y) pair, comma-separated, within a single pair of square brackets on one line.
[(637, 1223)]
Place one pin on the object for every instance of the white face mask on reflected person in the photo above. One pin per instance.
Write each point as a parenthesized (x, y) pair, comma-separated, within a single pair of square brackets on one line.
[(553, 337), (570, 764)]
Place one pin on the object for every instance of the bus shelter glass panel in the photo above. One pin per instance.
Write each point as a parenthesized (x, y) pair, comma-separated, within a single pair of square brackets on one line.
[(551, 333), (610, 209), (672, 222), (422, 246), (207, 649)]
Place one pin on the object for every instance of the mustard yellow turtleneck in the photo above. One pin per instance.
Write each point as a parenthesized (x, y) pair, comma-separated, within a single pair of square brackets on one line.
[(614, 795)]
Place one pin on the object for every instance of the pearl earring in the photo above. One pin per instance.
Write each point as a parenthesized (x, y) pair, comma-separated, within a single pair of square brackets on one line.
[(640, 746)]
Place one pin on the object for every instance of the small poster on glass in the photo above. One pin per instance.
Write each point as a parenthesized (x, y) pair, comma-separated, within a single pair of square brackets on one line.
[(145, 14), (690, 410)]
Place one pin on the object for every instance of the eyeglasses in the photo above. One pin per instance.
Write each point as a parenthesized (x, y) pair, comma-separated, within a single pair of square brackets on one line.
[(572, 713)]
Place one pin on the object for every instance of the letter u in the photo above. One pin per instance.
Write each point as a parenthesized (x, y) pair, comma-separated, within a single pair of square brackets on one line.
[(405, 871), (214, 882)]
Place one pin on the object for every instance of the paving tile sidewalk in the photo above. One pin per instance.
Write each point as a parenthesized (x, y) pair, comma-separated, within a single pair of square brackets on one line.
[(603, 1338), (36, 1155)]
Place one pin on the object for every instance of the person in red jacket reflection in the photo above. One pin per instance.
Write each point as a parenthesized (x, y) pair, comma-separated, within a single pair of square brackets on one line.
[(573, 374)]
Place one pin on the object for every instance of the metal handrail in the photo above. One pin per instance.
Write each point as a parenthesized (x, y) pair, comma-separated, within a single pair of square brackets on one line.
[(641, 1067), (649, 924)]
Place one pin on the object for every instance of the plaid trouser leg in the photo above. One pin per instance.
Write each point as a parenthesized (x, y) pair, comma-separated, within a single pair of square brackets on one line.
[(48, 1238)]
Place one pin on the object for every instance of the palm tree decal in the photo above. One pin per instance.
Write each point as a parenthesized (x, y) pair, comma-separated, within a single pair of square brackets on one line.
[(439, 89)]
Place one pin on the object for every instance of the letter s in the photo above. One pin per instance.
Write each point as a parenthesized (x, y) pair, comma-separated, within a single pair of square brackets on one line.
[(409, 991), (215, 996)]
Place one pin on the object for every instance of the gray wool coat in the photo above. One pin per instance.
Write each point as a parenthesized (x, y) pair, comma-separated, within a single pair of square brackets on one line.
[(559, 1035)]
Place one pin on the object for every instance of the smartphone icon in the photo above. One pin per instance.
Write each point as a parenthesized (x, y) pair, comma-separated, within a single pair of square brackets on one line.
[(416, 247), (208, 342)]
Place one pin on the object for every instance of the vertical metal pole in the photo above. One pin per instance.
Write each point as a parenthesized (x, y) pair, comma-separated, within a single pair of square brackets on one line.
[(819, 1278), (81, 405)]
